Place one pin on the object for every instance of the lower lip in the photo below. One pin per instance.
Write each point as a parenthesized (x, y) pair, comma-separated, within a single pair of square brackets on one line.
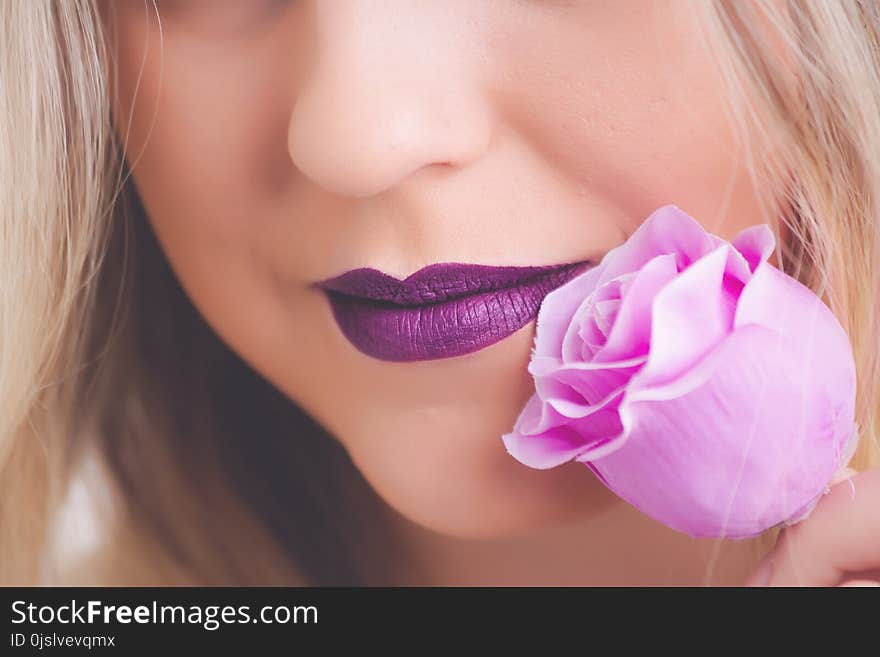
[(443, 330)]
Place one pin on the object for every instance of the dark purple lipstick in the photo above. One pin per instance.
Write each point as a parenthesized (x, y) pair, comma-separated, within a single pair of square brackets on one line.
[(443, 310)]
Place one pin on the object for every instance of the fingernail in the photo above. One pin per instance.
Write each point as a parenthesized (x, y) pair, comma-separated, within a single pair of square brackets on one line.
[(762, 575)]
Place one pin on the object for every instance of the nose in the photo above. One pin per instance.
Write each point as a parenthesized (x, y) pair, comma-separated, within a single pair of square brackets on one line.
[(393, 87)]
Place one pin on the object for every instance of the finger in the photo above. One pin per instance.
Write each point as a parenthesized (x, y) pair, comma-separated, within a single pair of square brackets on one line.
[(764, 570), (860, 582), (842, 535)]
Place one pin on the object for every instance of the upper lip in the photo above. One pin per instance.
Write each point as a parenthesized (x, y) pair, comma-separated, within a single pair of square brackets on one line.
[(438, 282)]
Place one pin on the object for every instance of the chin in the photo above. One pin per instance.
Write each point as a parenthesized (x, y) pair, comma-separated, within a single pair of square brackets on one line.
[(467, 486), (427, 438)]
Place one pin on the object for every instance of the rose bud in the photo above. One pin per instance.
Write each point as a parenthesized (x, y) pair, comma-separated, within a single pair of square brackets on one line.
[(697, 381)]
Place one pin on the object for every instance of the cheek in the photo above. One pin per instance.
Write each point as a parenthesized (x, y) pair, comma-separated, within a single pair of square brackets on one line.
[(636, 113), (204, 134), (203, 120), (445, 468), (201, 124)]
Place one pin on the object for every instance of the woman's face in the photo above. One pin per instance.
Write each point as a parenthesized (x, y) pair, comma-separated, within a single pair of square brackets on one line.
[(276, 144)]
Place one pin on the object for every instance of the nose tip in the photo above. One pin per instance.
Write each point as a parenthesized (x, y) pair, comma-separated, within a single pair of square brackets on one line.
[(387, 92), (358, 144)]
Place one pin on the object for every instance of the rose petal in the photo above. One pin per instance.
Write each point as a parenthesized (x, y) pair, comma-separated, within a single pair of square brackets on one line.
[(592, 339), (691, 315), (667, 230), (599, 384), (599, 428), (547, 365), (630, 335), (537, 417), (604, 315), (778, 301), (849, 447), (736, 268), (557, 310), (591, 381), (563, 443), (755, 243), (554, 392), (572, 343), (572, 409), (553, 447), (748, 444)]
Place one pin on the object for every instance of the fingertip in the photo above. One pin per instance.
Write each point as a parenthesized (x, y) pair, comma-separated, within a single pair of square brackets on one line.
[(860, 583)]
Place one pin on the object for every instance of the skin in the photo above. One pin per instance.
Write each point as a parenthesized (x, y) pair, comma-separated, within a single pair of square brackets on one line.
[(277, 143)]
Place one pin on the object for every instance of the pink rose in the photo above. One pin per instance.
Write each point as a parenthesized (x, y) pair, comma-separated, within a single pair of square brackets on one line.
[(696, 380)]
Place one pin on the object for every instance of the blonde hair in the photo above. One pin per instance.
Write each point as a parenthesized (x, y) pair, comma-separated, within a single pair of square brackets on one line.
[(817, 103), (82, 373)]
